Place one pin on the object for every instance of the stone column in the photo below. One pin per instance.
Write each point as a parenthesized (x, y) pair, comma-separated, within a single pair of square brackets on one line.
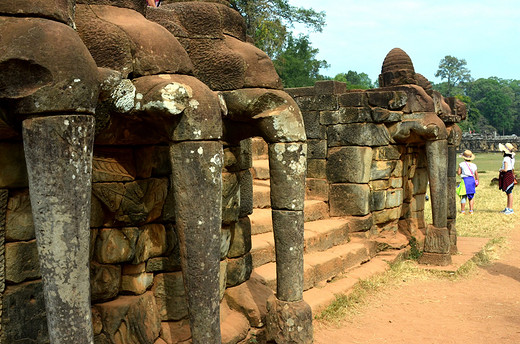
[(452, 197), (289, 318), (197, 187), (3, 210), (58, 151), (437, 242)]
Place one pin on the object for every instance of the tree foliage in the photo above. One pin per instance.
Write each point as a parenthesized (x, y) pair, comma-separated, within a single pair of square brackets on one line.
[(268, 22), (297, 64), (454, 71), (355, 80)]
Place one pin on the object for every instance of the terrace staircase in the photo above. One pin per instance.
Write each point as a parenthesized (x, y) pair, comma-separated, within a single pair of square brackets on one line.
[(335, 258)]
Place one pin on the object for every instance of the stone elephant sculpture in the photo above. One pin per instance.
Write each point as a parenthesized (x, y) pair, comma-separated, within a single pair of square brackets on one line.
[(184, 77)]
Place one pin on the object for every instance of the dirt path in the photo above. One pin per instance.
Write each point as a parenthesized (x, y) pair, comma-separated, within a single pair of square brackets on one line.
[(481, 309)]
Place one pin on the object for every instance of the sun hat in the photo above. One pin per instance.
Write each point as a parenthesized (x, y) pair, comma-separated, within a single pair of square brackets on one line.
[(467, 155), (508, 148)]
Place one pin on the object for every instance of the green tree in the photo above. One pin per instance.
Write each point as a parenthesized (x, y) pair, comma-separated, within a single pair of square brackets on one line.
[(455, 72), (355, 80), (297, 64), (268, 22), (494, 100)]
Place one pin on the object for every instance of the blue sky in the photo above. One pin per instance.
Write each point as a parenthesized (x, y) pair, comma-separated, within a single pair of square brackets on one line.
[(359, 34)]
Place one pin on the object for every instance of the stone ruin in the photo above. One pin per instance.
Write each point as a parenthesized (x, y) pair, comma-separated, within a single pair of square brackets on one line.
[(126, 179)]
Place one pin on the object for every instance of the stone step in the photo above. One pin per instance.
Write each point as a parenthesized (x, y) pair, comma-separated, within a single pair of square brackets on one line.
[(323, 266), (261, 169), (261, 221), (318, 236), (260, 150), (323, 294)]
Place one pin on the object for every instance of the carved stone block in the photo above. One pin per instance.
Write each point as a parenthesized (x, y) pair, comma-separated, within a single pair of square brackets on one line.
[(349, 199), (358, 134), (349, 165), (168, 289), (19, 225), (105, 281), (130, 319), (21, 261)]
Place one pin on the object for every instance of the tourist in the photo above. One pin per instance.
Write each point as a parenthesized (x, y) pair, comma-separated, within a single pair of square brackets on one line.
[(153, 3), (468, 171), (506, 179)]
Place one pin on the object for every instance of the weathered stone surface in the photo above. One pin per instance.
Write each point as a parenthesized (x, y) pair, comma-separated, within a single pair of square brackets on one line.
[(225, 241), (245, 179), (231, 194), (62, 11), (394, 198), (135, 5), (316, 149), (175, 332), (378, 200), (438, 259), (349, 199), (116, 245), (136, 283), (313, 127), (316, 168), (240, 238), (250, 298), (168, 289), (377, 185), (437, 152), (361, 223), (289, 322), (420, 181), (386, 215), (437, 240), (123, 40), (151, 243), (288, 237), (153, 161), (24, 311), (346, 115), (113, 165), (130, 319), (239, 270), (21, 259), (382, 169), (380, 115), (353, 98), (197, 176), (132, 203), (358, 134), (316, 189), (349, 164), (58, 152), (396, 182), (19, 224), (287, 167), (318, 103), (391, 152), (59, 75), (13, 173), (330, 87), (418, 202), (234, 325), (105, 281)]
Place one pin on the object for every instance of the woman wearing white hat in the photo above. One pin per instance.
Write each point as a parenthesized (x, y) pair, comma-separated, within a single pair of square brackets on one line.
[(468, 171), (506, 179)]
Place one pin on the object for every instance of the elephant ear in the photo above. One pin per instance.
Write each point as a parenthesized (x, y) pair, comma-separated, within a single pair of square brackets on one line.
[(21, 78)]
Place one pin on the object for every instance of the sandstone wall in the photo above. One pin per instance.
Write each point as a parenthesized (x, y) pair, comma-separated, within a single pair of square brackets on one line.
[(137, 287), (486, 143), (355, 164)]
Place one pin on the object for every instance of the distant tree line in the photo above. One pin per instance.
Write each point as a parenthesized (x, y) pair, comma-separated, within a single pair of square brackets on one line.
[(493, 104)]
